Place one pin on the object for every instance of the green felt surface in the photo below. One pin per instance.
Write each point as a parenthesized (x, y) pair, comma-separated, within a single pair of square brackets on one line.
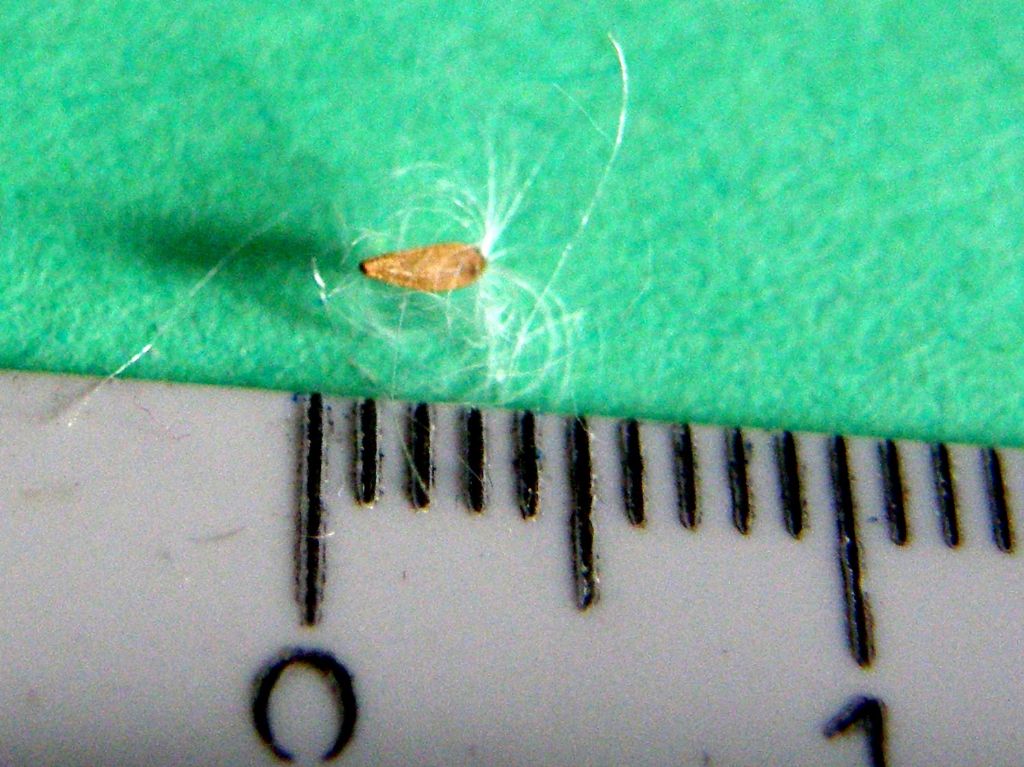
[(815, 220)]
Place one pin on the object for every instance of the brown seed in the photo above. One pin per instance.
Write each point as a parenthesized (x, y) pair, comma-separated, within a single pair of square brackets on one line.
[(432, 269)]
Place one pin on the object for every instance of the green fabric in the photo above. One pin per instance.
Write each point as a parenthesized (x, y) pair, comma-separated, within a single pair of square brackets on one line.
[(815, 220)]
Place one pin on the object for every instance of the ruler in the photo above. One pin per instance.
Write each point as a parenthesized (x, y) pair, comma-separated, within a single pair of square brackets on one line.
[(209, 576)]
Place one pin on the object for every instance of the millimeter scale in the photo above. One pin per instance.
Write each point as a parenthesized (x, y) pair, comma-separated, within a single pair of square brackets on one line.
[(209, 576)]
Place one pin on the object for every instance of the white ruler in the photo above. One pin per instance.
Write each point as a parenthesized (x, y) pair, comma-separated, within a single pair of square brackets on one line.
[(204, 576)]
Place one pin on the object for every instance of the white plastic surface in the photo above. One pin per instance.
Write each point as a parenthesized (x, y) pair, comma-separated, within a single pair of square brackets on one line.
[(147, 575)]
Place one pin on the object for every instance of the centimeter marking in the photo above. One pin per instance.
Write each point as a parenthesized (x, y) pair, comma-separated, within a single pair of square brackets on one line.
[(311, 522), (528, 466), (858, 626)]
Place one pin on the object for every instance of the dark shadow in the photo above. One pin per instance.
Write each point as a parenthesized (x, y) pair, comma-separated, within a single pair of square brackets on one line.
[(269, 255), (272, 226)]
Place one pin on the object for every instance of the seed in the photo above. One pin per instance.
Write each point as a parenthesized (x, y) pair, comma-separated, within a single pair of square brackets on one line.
[(431, 269)]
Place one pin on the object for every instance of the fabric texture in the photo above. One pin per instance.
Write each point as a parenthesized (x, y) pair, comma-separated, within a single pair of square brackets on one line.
[(814, 221)]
